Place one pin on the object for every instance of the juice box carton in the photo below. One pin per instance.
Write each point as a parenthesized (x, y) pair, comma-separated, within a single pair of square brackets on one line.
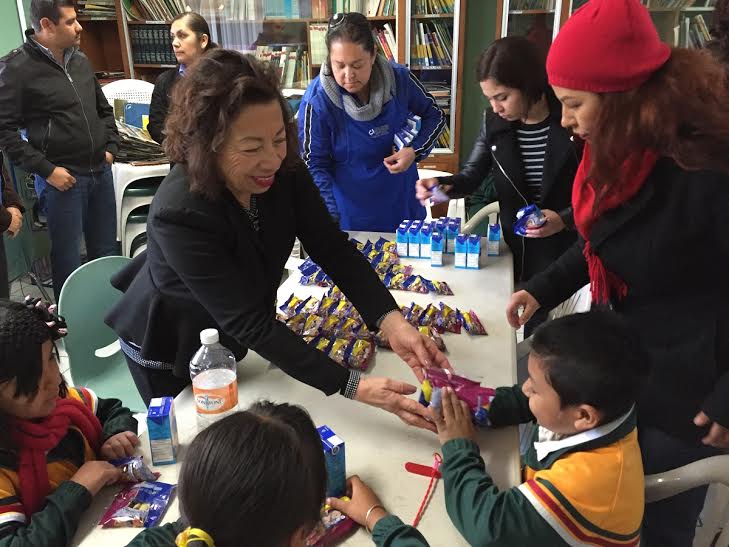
[(461, 250), (492, 246), (436, 249), (401, 239), (335, 460), (473, 252), (426, 234), (162, 430), (414, 239)]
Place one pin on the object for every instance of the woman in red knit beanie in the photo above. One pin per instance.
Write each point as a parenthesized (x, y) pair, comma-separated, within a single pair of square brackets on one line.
[(651, 206)]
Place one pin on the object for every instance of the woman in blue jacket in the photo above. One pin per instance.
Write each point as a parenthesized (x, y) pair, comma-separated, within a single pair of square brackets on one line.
[(348, 119)]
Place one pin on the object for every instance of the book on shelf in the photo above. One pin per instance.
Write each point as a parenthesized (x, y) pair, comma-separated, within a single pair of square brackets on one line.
[(678, 4), (291, 62), (432, 44), (529, 5), (386, 42), (151, 44), (370, 8), (317, 35), (433, 7), (103, 9), (153, 10)]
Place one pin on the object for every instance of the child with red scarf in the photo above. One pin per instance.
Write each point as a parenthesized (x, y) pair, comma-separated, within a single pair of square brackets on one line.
[(54, 439), (651, 206)]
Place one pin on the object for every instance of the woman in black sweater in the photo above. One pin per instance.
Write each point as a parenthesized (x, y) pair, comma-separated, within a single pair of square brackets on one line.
[(190, 34), (220, 230)]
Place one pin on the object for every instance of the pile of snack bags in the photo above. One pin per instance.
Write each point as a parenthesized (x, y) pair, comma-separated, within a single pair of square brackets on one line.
[(473, 393), (334, 326), (382, 256), (142, 502)]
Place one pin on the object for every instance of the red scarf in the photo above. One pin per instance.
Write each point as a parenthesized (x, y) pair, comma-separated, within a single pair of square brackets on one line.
[(35, 439), (634, 172)]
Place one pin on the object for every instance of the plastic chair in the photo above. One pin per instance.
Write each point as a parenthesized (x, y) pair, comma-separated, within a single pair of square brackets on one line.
[(714, 470), (135, 226), (138, 193), (93, 349), (481, 215)]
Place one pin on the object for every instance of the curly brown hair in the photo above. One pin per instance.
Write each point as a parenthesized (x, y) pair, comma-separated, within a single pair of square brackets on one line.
[(720, 31), (204, 105), (682, 112)]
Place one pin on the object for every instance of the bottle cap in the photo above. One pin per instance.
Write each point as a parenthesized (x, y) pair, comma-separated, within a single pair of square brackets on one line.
[(209, 337)]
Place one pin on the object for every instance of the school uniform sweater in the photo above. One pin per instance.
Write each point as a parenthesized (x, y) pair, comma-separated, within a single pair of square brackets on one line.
[(55, 524)]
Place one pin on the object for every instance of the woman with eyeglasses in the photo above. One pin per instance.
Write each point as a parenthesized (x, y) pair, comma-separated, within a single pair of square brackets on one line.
[(219, 232), (348, 120), (190, 35)]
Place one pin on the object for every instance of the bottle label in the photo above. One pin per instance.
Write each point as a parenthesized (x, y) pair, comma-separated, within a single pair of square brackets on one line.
[(217, 400)]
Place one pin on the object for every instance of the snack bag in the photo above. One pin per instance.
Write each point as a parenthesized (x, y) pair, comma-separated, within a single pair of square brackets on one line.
[(330, 325), (349, 328), (338, 349), (394, 280), (476, 396), (335, 293), (429, 315), (313, 325), (439, 287), (321, 343), (332, 529), (138, 505), (327, 303), (288, 308), (530, 216), (134, 469), (415, 283), (296, 323), (414, 313), (358, 354), (308, 306), (472, 323), (434, 335), (340, 309), (448, 320)]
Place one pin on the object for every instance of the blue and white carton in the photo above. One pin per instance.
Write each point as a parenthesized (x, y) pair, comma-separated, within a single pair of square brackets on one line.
[(401, 239), (426, 235), (336, 463), (473, 254), (162, 430), (492, 246), (461, 250), (436, 249), (452, 230), (414, 239)]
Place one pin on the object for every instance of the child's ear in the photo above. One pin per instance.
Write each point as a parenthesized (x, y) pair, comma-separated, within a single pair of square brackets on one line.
[(587, 417)]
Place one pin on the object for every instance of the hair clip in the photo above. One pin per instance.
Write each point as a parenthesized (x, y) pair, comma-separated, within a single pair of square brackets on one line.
[(48, 314)]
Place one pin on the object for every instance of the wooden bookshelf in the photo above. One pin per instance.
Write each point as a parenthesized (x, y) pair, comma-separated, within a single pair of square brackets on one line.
[(104, 43)]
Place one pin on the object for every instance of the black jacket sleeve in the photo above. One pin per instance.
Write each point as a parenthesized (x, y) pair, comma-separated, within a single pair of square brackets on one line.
[(331, 249), (510, 407), (562, 279), (191, 242), (106, 115), (19, 151), (475, 169), (9, 199), (114, 417), (159, 107)]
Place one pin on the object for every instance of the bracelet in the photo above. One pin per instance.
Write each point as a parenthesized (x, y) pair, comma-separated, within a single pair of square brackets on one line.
[(369, 512), (378, 323), (350, 389)]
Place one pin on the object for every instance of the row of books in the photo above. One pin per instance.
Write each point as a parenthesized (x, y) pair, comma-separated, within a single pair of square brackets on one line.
[(386, 42), (441, 92), (697, 33), (103, 9), (432, 44), (257, 10), (678, 4), (291, 62), (525, 5), (153, 10), (429, 7), (151, 44)]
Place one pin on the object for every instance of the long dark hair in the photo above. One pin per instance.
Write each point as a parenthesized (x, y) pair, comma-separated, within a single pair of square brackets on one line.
[(682, 112), (516, 62), (204, 104), (350, 27), (255, 477), (197, 24)]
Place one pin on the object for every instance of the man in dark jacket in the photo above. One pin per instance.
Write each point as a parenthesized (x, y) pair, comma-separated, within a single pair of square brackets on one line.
[(48, 89), (11, 221)]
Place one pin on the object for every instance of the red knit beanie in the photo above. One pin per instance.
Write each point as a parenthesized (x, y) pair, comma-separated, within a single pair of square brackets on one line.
[(606, 46)]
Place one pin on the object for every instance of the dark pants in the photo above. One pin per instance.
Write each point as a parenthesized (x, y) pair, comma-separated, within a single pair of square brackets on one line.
[(152, 382), (671, 522), (4, 282), (88, 208)]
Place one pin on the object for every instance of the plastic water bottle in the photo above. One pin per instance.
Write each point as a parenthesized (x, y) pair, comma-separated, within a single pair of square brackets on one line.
[(214, 381)]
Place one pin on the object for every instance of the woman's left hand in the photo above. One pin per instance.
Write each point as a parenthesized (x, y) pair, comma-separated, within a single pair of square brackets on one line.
[(400, 161), (416, 350), (120, 445), (554, 225), (718, 436)]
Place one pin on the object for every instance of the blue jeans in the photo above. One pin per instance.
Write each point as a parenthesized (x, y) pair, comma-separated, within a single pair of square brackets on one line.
[(671, 522), (88, 208)]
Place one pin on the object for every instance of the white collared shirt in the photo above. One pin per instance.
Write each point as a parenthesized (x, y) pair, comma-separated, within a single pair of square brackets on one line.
[(549, 441)]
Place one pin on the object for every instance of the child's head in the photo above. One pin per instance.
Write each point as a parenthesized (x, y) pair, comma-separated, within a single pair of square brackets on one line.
[(584, 370), (256, 477), (30, 381)]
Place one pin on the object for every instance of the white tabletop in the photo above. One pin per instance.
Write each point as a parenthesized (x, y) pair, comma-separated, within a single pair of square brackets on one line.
[(377, 444)]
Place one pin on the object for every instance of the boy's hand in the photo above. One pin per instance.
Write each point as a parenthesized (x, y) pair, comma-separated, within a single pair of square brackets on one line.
[(453, 418), (120, 445), (362, 499), (94, 475)]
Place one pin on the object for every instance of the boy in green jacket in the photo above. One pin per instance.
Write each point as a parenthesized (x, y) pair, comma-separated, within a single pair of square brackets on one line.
[(583, 474)]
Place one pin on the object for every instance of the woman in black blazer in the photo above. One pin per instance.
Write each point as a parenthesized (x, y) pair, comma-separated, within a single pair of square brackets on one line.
[(219, 232), (190, 35)]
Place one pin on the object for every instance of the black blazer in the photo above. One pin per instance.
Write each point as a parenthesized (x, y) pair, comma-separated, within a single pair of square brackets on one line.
[(496, 151), (206, 267), (671, 246), (160, 104)]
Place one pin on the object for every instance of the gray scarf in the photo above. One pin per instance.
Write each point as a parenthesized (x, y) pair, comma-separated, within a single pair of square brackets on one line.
[(382, 89)]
